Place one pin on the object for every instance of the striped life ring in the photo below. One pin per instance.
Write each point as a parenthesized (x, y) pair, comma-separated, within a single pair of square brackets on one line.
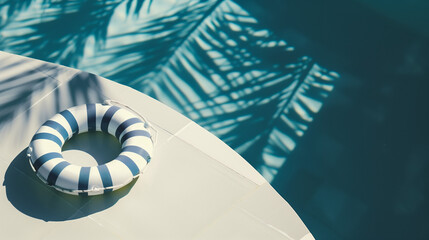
[(47, 161)]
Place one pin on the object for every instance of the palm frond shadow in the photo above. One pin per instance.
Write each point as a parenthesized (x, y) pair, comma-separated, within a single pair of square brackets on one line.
[(136, 51), (25, 81), (20, 84), (210, 60), (60, 35), (216, 65), (58, 31), (13, 7)]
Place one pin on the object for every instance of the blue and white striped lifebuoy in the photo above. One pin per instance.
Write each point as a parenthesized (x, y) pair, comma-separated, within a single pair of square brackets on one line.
[(48, 163)]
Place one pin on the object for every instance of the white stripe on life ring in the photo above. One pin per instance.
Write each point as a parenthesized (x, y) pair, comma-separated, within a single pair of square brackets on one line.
[(47, 161)]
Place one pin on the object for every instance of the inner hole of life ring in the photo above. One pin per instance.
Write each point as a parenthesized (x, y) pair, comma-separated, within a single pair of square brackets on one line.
[(91, 149)]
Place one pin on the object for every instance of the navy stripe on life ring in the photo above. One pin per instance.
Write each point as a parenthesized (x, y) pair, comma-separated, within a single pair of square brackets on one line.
[(55, 172), (134, 133), (91, 115), (71, 120), (130, 164), (138, 150), (84, 178), (58, 127), (105, 177), (126, 124), (44, 158), (107, 117), (47, 136)]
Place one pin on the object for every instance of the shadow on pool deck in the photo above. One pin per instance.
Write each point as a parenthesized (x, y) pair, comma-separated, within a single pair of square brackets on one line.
[(27, 193)]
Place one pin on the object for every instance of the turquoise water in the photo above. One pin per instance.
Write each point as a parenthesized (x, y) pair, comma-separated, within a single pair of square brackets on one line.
[(327, 100)]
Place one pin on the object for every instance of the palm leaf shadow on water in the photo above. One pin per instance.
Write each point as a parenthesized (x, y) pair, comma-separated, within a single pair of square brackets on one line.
[(214, 63), (58, 31), (142, 48)]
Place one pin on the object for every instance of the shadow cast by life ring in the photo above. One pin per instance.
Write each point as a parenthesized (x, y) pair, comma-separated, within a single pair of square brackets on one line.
[(28, 194)]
